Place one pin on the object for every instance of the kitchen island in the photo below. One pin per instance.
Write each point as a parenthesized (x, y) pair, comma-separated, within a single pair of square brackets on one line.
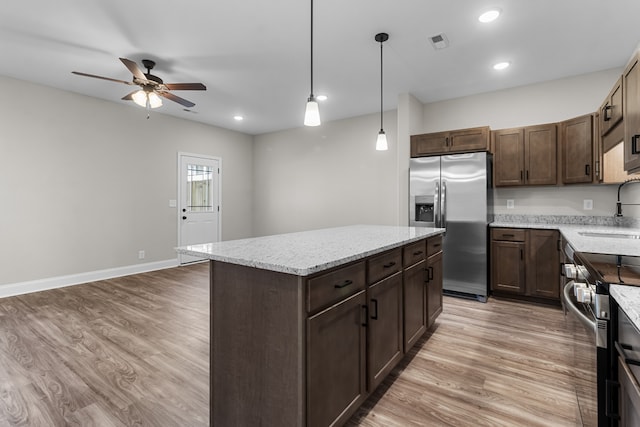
[(304, 326)]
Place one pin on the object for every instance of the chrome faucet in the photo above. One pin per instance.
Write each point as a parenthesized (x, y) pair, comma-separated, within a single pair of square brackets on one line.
[(619, 203)]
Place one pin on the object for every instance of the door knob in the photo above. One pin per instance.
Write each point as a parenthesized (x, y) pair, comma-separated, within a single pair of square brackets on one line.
[(184, 217)]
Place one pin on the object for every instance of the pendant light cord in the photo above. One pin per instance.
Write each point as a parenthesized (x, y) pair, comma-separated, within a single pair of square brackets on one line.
[(381, 92), (311, 48)]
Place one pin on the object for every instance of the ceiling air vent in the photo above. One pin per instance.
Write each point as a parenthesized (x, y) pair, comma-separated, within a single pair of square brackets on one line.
[(439, 41)]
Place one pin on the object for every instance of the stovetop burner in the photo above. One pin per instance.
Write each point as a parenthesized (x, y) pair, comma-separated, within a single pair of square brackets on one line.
[(612, 269)]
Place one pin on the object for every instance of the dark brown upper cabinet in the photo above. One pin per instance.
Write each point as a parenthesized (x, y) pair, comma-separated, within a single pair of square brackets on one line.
[(525, 156), (631, 107), (576, 142), (449, 142)]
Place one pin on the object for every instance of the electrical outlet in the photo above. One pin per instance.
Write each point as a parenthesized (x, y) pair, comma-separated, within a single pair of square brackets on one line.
[(510, 204), (140, 254), (587, 204)]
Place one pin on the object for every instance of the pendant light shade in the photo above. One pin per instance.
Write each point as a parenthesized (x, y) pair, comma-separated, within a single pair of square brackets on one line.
[(142, 97), (312, 113), (381, 142)]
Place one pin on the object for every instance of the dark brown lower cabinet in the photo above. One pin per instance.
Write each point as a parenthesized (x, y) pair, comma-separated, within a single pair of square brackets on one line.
[(507, 266), (385, 328), (336, 362), (434, 288), (415, 300), (526, 262)]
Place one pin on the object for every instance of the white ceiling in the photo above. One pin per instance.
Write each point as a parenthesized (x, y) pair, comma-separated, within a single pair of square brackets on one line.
[(253, 55)]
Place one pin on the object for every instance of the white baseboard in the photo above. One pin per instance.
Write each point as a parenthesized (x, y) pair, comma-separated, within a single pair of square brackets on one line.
[(20, 288)]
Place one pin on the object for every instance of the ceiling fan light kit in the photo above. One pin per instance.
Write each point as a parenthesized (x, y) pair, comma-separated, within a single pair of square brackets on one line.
[(152, 88)]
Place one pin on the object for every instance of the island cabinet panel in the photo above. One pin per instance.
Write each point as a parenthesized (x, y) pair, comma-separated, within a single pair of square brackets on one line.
[(385, 328), (434, 288), (336, 362), (257, 360), (415, 303), (334, 286)]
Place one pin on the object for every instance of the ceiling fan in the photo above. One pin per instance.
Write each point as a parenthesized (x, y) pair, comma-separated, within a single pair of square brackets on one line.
[(151, 87)]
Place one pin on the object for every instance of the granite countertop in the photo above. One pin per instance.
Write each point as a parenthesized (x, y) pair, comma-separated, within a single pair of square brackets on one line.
[(309, 252), (573, 233), (628, 298)]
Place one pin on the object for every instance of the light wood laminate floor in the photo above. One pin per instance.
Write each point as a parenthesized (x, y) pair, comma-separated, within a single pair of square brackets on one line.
[(135, 351)]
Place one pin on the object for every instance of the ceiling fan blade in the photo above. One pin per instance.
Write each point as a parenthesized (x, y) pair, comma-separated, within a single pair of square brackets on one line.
[(185, 86), (177, 99), (103, 78), (133, 67)]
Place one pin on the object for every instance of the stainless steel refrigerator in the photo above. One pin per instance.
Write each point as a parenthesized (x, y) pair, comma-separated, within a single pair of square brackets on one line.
[(453, 192)]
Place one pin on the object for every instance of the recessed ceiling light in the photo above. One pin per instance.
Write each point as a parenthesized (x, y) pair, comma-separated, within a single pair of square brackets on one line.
[(501, 65), (238, 118), (490, 15), (321, 97)]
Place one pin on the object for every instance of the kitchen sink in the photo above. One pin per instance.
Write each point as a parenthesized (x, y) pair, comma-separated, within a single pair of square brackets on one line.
[(609, 235)]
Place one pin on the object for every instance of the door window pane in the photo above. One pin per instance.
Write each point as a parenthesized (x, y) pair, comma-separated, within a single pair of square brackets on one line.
[(199, 188)]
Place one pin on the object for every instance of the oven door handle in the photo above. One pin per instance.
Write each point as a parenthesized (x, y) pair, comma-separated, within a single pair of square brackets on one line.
[(568, 304)]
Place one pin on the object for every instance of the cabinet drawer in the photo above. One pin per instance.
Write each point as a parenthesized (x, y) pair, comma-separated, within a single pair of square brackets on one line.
[(332, 287), (509, 234), (434, 245), (413, 253), (384, 265)]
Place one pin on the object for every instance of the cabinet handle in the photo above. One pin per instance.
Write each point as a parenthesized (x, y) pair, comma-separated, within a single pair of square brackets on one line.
[(343, 284), (527, 175), (634, 144), (606, 112), (521, 175), (508, 235), (366, 315), (521, 254), (389, 265), (446, 141), (430, 273), (375, 306), (587, 170), (437, 245), (417, 253), (426, 271)]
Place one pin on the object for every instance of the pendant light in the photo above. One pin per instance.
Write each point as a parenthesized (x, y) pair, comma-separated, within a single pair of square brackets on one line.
[(312, 113), (381, 143)]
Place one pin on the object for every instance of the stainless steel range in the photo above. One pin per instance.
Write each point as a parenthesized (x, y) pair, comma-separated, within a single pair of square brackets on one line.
[(586, 297)]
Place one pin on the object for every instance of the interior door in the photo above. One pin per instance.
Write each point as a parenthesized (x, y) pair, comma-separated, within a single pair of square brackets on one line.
[(199, 195)]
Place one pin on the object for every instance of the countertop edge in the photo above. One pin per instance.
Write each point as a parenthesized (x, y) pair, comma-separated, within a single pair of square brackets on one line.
[(307, 271)]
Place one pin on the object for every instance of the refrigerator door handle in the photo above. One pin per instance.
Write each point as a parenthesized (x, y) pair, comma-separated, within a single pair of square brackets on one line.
[(436, 204), (443, 208)]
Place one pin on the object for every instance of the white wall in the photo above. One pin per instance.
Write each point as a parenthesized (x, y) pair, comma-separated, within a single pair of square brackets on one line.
[(85, 183), (328, 176), (547, 102)]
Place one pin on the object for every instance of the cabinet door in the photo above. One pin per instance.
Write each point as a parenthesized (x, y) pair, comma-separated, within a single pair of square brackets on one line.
[(611, 110), (429, 143), (476, 139), (385, 328), (541, 152), (577, 150), (543, 263), (507, 267), (434, 288), (508, 163), (415, 299), (336, 362), (629, 399), (631, 107)]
